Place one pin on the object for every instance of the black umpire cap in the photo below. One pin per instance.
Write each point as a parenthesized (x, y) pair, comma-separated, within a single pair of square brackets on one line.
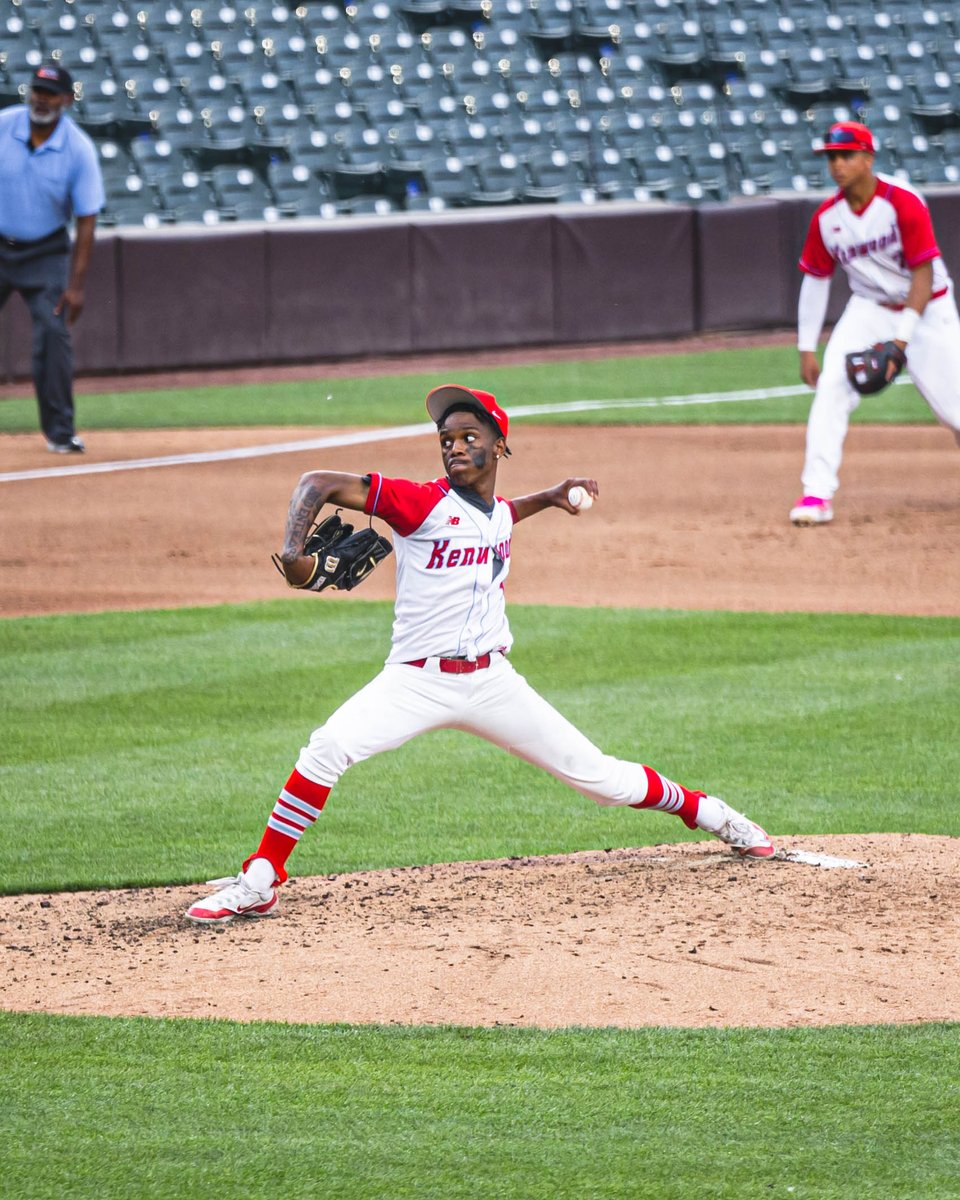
[(53, 79)]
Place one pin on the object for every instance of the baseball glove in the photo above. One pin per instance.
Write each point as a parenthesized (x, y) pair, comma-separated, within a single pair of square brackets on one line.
[(869, 370), (342, 558)]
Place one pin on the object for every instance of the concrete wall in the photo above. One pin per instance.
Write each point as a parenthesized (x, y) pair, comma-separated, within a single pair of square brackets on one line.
[(347, 288)]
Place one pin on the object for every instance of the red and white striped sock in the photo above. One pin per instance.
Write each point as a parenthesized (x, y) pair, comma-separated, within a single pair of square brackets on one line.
[(299, 804), (664, 794)]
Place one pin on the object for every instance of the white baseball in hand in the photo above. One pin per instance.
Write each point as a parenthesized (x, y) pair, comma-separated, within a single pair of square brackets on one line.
[(579, 497)]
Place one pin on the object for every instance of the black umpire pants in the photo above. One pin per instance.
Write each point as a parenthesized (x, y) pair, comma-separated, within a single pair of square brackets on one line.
[(38, 271)]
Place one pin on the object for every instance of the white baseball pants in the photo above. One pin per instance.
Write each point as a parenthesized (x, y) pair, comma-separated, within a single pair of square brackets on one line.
[(496, 703), (933, 363)]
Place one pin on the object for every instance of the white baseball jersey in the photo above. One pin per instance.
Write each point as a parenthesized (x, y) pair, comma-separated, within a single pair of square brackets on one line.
[(877, 246), (453, 557)]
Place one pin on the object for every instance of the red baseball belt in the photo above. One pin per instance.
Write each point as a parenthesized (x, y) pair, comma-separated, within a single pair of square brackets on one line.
[(901, 307), (455, 666)]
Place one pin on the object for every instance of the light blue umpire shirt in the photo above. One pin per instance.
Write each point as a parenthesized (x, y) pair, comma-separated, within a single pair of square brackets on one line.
[(40, 190)]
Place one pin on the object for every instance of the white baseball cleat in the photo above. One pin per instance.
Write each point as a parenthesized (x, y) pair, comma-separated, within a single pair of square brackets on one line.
[(811, 510), (235, 898), (743, 835)]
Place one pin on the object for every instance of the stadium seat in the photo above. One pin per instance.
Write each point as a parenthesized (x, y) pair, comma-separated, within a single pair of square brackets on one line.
[(608, 170), (156, 157), (297, 191), (131, 201), (448, 179), (549, 25), (70, 41), (500, 178), (727, 35), (578, 135), (314, 147), (361, 205), (859, 70), (679, 46), (188, 199), (242, 194), (551, 171)]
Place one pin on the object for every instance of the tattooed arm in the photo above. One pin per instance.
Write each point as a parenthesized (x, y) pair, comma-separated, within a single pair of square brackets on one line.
[(314, 490)]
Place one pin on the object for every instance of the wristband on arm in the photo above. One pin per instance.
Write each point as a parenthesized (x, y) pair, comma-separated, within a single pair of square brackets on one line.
[(906, 324)]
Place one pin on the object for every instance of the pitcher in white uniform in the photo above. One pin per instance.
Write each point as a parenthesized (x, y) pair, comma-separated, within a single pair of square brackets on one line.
[(880, 232), (448, 666)]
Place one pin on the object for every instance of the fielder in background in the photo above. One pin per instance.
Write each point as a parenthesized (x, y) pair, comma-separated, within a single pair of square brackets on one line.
[(448, 667), (49, 173), (880, 232)]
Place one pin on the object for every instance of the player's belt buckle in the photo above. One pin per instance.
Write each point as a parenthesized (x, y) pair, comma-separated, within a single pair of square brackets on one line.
[(464, 666)]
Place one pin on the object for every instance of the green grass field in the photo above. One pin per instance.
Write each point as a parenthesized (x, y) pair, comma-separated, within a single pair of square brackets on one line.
[(156, 1109), (148, 747), (398, 399), (206, 709)]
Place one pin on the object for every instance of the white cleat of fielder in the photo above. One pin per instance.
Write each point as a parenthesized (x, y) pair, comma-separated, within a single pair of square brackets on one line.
[(811, 510)]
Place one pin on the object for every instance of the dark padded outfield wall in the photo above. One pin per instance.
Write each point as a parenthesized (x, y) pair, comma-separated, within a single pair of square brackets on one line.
[(623, 273), (745, 270), (96, 336), (193, 299), (945, 210), (511, 276), (483, 281), (344, 294)]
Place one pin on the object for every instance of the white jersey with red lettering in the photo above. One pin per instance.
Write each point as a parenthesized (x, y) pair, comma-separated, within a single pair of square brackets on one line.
[(452, 556), (878, 247)]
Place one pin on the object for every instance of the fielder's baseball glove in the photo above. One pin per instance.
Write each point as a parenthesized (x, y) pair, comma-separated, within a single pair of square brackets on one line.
[(342, 558), (868, 370)]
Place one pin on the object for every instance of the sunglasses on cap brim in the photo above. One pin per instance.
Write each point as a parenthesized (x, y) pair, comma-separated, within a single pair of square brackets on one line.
[(844, 137)]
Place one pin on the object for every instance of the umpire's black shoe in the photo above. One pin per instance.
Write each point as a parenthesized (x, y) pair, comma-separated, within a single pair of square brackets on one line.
[(72, 445)]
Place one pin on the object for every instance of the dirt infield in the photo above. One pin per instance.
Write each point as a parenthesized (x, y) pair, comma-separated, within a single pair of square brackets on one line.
[(674, 935), (666, 935), (688, 518)]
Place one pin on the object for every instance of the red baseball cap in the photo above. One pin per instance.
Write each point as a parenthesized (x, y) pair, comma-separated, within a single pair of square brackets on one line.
[(848, 135), (441, 398)]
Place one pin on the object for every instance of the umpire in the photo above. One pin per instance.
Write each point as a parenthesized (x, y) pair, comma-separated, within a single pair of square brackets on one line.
[(49, 173)]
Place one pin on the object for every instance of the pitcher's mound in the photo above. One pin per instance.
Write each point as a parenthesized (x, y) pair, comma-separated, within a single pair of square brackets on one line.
[(665, 935)]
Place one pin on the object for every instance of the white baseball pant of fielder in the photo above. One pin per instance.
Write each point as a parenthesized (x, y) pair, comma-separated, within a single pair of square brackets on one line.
[(933, 363)]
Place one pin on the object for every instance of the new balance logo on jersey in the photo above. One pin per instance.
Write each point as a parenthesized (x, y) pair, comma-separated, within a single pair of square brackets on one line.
[(465, 556), (453, 520)]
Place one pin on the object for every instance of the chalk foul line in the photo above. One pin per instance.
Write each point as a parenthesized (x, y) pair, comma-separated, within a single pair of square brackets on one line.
[(397, 433)]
